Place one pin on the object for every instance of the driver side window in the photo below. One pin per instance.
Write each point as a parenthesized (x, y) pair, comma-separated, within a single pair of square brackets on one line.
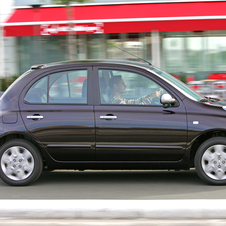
[(126, 87)]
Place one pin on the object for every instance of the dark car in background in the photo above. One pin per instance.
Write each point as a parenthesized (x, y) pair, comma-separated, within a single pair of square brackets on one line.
[(61, 116)]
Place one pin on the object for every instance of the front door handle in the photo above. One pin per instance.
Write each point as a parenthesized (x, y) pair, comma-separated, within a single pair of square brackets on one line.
[(168, 112), (108, 117), (35, 117)]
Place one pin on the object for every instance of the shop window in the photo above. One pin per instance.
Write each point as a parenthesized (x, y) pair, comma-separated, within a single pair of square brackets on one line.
[(114, 46)]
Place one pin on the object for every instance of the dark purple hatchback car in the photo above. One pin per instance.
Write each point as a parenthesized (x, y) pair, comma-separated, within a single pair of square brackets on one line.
[(108, 115)]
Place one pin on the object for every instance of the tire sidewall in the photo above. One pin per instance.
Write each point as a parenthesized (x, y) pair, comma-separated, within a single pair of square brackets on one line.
[(37, 162), (198, 160)]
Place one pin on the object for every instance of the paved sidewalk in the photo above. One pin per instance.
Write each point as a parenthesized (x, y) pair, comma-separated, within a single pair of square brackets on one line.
[(113, 209)]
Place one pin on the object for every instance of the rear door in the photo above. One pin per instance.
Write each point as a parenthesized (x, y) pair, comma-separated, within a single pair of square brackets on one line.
[(57, 109)]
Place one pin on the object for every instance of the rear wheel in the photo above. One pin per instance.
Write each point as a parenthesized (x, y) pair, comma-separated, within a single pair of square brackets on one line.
[(210, 161), (20, 162)]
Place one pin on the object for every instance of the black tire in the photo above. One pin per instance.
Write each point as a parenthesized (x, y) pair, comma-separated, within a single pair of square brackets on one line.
[(20, 163), (210, 161)]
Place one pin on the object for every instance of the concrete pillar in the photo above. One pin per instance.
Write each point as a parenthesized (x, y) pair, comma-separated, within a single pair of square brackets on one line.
[(10, 57), (155, 38), (5, 12), (123, 38), (82, 47), (1, 52)]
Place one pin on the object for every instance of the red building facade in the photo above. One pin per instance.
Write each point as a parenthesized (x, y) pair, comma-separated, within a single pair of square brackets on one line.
[(150, 29)]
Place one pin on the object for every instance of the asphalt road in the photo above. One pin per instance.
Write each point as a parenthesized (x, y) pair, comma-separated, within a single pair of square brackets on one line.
[(120, 185)]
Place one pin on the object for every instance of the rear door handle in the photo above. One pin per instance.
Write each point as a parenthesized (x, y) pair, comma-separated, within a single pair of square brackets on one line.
[(35, 117), (108, 117)]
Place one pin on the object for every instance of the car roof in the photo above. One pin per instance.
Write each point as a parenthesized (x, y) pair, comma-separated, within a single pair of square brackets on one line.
[(145, 64)]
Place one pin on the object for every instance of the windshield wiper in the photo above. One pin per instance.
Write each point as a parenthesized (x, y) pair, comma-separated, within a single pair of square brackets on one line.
[(204, 100), (210, 99)]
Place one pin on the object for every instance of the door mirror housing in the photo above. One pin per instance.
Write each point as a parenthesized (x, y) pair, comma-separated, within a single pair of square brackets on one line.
[(167, 99)]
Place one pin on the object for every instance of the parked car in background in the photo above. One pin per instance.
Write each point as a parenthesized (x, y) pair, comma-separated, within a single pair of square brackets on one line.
[(198, 86), (66, 115), (209, 87)]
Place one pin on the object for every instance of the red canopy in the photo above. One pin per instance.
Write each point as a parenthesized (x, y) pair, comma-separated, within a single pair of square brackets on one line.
[(217, 76), (118, 18)]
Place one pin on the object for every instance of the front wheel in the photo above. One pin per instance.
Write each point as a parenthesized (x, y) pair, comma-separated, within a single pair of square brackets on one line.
[(21, 162), (210, 161)]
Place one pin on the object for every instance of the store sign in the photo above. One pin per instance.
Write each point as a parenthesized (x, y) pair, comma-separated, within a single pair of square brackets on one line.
[(62, 29)]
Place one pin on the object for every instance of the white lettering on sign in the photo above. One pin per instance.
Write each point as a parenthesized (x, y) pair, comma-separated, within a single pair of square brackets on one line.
[(55, 29)]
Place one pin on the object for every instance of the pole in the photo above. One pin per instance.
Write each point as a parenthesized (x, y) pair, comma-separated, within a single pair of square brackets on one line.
[(155, 39), (36, 30)]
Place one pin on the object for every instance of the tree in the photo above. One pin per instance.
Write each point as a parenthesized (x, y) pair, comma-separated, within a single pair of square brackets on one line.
[(72, 50)]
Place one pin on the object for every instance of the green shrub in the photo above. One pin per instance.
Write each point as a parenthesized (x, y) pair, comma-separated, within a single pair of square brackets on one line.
[(6, 82)]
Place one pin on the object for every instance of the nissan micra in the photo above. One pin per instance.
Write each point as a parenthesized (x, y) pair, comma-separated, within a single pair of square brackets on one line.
[(107, 115)]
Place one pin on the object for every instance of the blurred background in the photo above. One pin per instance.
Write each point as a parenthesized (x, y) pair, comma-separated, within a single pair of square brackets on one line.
[(185, 38)]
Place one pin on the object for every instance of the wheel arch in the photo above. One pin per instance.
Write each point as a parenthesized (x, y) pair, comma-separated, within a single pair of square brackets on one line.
[(202, 138), (13, 136)]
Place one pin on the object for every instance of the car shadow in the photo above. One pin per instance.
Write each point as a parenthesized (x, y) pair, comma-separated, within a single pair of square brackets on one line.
[(121, 185), (119, 176)]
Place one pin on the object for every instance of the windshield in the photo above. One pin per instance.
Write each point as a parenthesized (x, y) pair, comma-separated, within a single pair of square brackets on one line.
[(187, 91)]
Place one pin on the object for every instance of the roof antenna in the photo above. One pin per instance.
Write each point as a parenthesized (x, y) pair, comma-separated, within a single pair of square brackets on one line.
[(125, 51)]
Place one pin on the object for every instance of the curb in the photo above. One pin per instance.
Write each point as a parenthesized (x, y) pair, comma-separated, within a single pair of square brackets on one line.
[(113, 209)]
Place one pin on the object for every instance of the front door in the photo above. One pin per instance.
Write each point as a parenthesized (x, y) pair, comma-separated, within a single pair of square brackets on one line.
[(132, 125)]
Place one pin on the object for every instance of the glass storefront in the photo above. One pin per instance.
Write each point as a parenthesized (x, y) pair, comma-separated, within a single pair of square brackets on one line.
[(194, 53), (182, 53), (40, 49)]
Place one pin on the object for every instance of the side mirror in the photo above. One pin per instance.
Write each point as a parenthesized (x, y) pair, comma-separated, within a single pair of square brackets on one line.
[(167, 99)]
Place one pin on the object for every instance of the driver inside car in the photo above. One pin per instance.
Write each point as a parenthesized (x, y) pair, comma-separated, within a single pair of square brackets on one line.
[(118, 87)]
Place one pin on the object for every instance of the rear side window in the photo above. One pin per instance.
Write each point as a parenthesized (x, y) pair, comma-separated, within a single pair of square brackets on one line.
[(38, 92), (60, 88)]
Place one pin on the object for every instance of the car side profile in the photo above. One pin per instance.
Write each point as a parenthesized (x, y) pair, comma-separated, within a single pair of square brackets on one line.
[(106, 114)]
